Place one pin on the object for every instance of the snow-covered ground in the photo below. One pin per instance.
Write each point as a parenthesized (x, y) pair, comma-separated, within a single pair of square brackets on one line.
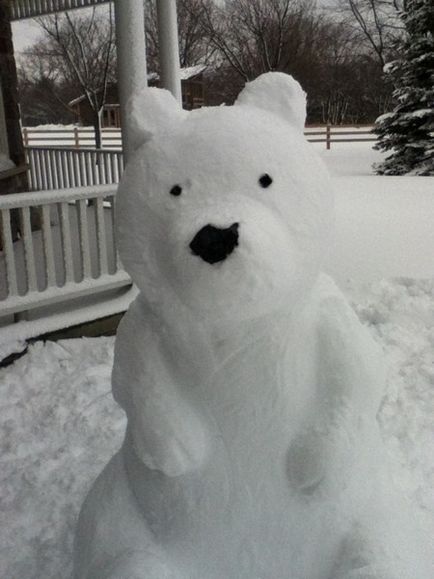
[(59, 424)]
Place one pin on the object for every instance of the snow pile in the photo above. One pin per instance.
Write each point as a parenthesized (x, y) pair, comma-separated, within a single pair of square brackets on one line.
[(59, 425), (400, 315), (384, 228)]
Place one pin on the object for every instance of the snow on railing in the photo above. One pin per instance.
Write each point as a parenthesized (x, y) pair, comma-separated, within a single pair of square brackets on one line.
[(58, 168), (32, 8), (57, 245)]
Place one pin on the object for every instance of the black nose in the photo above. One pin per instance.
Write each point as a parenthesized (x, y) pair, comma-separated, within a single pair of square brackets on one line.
[(214, 244)]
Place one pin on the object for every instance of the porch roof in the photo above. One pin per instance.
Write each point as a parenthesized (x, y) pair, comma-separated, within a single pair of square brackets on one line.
[(21, 9)]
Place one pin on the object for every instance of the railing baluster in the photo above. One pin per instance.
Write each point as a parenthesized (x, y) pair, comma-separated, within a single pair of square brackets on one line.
[(84, 238), (113, 168), (100, 160), (8, 247), (47, 238), (65, 228), (119, 159), (36, 169), (113, 224), (51, 170), (82, 169), (64, 169), (29, 252), (72, 157), (29, 161), (94, 155), (101, 237), (43, 168), (88, 160), (59, 170), (66, 155)]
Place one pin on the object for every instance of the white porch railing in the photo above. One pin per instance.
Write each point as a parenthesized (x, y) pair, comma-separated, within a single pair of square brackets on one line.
[(59, 168), (69, 252)]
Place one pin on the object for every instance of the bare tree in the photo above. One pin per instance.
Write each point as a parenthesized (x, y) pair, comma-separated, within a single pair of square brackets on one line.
[(377, 22), (255, 36), (327, 55), (44, 92), (82, 50), (194, 47)]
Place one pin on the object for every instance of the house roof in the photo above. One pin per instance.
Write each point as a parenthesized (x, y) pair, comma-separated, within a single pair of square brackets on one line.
[(192, 71)]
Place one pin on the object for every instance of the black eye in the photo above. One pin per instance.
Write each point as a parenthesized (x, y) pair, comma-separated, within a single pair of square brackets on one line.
[(176, 190), (265, 181)]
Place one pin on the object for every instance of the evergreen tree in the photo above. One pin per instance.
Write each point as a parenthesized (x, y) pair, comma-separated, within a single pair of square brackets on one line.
[(409, 130)]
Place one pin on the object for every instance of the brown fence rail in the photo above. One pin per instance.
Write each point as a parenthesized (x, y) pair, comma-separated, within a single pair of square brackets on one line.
[(329, 134), (84, 137), (77, 137)]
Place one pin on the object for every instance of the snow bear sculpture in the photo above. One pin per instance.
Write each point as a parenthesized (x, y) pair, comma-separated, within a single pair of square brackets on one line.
[(252, 449)]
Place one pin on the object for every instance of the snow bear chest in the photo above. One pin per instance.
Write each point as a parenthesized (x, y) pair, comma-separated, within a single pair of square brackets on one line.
[(253, 406)]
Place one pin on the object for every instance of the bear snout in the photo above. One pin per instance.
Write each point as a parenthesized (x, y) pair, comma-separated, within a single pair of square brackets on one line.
[(214, 244)]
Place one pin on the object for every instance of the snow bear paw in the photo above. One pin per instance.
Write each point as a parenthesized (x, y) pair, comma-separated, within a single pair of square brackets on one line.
[(306, 466), (141, 566), (181, 448), (370, 572)]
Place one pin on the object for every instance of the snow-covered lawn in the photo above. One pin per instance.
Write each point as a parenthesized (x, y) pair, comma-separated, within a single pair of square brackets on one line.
[(59, 424)]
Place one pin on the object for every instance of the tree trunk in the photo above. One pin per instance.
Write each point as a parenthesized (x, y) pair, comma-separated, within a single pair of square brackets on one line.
[(97, 118)]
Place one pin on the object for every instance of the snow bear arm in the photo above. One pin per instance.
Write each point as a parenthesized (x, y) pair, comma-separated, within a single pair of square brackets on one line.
[(350, 366), (349, 386), (166, 431)]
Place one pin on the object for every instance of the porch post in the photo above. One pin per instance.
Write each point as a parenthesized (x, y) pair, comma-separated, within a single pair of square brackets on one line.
[(4, 146), (131, 55), (169, 49)]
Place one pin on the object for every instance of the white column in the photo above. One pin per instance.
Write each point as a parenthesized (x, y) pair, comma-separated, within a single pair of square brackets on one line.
[(131, 55), (169, 49), (4, 148)]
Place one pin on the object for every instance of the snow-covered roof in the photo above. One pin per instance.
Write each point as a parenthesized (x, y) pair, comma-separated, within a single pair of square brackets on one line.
[(185, 73), (76, 100), (191, 71)]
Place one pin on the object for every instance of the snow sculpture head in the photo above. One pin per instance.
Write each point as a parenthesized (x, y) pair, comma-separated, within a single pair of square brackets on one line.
[(226, 209)]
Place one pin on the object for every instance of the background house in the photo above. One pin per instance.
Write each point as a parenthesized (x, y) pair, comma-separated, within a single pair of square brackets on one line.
[(193, 97)]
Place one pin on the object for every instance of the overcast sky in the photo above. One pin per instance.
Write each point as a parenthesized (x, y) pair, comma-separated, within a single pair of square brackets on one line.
[(25, 33)]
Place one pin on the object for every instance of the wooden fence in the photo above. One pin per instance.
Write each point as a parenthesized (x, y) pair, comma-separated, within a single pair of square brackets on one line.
[(77, 137), (67, 166), (84, 137), (339, 134)]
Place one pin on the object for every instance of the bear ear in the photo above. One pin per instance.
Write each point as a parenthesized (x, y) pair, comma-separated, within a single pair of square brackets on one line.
[(277, 93), (151, 111)]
